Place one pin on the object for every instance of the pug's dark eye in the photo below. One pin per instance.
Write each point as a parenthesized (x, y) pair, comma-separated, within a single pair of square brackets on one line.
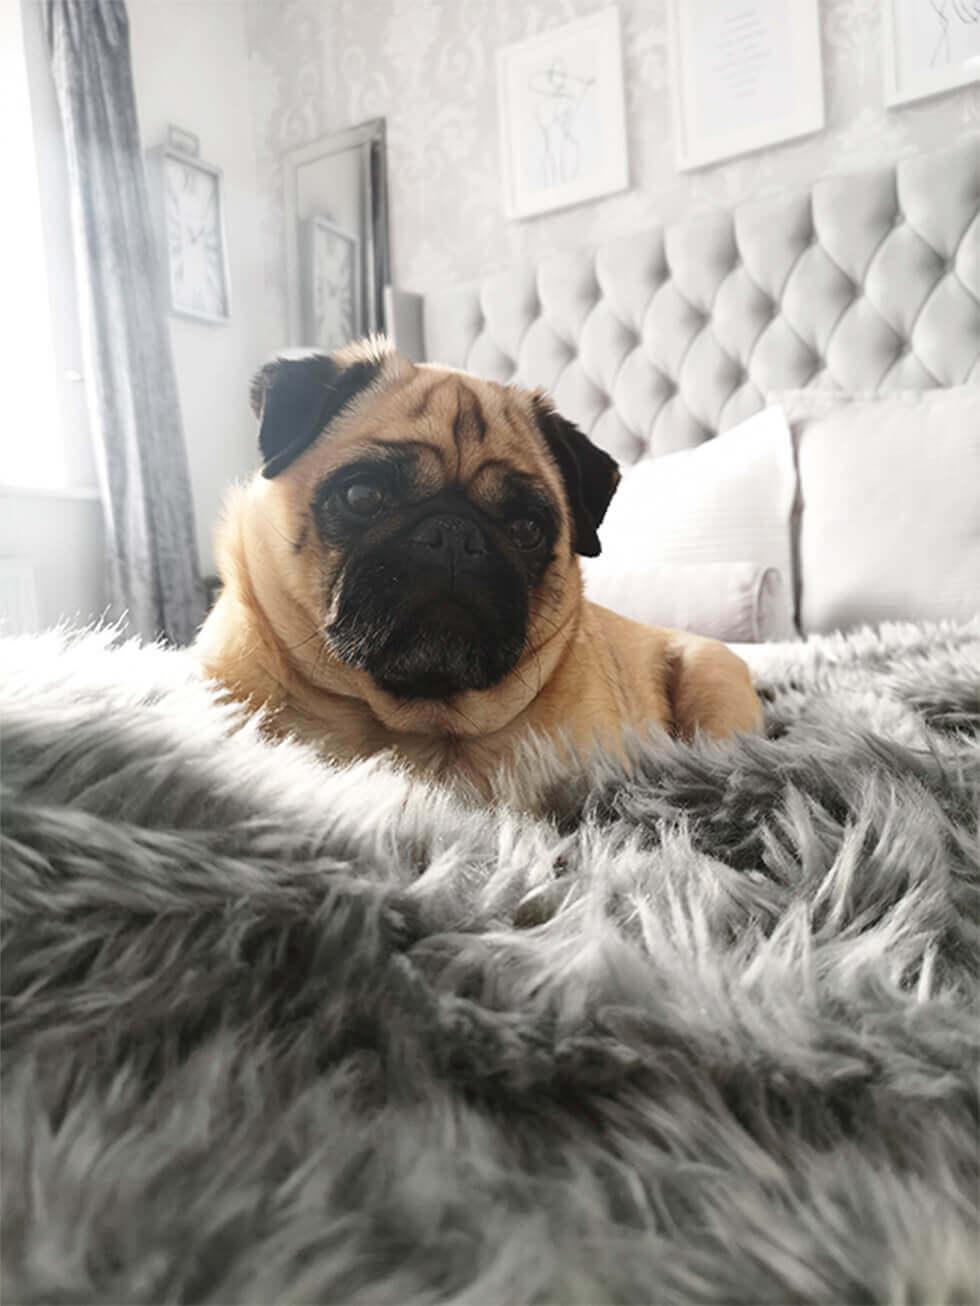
[(365, 498), (526, 533)]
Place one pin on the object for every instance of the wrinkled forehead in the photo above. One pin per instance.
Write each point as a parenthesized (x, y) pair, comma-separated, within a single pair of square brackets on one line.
[(445, 428), (452, 428)]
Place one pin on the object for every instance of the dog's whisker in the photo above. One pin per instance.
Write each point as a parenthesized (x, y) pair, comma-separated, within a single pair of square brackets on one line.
[(295, 545), (291, 648), (456, 710)]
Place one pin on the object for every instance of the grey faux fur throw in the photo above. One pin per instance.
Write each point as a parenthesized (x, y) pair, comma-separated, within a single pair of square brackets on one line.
[(705, 1032)]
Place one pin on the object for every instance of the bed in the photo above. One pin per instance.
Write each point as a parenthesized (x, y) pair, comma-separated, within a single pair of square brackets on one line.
[(660, 340), (695, 1025)]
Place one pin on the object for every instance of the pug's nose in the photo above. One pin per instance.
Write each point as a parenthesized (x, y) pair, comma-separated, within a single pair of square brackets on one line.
[(448, 541)]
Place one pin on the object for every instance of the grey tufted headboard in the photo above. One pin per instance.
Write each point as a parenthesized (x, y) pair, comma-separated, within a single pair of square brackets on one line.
[(660, 340)]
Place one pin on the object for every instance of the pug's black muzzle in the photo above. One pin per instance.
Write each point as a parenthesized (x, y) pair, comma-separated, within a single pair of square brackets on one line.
[(434, 610)]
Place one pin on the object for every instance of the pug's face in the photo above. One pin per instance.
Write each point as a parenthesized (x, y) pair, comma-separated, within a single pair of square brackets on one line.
[(432, 517)]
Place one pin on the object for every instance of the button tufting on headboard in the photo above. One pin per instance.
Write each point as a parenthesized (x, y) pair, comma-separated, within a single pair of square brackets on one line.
[(659, 340)]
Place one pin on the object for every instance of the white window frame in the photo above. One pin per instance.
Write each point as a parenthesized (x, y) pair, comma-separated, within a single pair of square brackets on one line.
[(45, 447)]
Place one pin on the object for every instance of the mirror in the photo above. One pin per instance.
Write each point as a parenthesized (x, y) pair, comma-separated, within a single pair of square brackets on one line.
[(337, 261)]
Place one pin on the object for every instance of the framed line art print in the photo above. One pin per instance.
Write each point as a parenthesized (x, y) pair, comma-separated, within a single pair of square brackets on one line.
[(930, 46), (561, 114), (745, 74)]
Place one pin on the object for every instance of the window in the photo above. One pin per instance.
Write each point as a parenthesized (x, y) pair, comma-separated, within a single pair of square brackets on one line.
[(44, 438)]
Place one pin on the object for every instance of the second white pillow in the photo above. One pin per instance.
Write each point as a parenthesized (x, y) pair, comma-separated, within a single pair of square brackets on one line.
[(731, 499), (733, 601)]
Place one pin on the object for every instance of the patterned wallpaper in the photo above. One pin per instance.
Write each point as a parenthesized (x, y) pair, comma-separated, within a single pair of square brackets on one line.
[(428, 67)]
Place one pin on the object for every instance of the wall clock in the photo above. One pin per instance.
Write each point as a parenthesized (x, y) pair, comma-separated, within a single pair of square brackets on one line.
[(331, 284), (193, 223)]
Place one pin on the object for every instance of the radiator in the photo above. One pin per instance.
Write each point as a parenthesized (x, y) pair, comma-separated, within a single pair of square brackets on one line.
[(18, 597)]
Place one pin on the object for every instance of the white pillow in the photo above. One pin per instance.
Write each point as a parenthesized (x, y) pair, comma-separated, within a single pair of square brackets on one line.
[(733, 601), (730, 499), (890, 506)]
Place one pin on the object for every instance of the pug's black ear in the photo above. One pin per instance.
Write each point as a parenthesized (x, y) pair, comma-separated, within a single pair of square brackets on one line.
[(590, 475), (296, 398)]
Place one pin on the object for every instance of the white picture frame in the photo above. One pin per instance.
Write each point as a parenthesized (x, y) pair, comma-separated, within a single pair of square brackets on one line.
[(331, 285), (930, 46), (745, 75), (562, 117)]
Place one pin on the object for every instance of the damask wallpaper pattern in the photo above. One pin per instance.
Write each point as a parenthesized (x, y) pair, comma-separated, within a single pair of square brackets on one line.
[(429, 68)]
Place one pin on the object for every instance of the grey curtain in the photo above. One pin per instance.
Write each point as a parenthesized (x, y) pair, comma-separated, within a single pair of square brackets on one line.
[(129, 372)]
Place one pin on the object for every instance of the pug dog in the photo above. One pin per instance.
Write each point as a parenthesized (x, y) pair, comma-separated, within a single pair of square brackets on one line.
[(402, 575)]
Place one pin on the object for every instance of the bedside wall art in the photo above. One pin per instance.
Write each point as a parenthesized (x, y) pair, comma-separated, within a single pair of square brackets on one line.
[(745, 74), (561, 115), (930, 46)]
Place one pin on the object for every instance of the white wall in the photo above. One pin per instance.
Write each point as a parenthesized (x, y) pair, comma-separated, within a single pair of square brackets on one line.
[(36, 270), (61, 536), (44, 438), (429, 67), (254, 78), (190, 67)]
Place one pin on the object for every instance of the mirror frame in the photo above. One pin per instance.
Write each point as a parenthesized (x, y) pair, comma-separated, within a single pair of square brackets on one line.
[(370, 137)]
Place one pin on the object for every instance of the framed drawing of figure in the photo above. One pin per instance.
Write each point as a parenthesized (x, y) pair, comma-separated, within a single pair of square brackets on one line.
[(930, 46), (562, 123)]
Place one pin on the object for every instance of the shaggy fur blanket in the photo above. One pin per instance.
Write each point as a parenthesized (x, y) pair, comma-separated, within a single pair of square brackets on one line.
[(701, 1030)]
